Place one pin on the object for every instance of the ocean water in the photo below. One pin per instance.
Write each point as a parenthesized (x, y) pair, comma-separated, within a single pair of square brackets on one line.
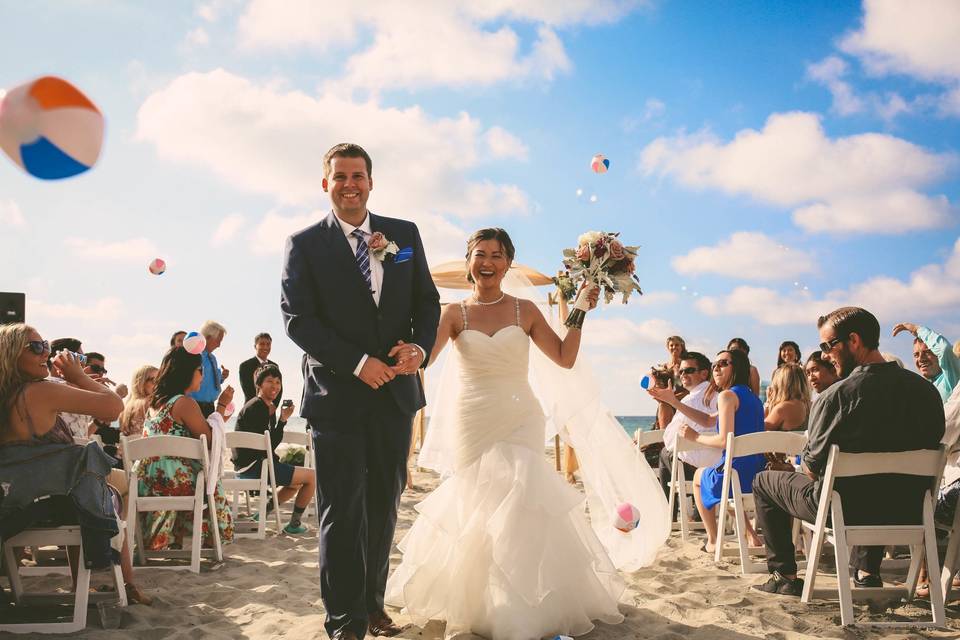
[(630, 423)]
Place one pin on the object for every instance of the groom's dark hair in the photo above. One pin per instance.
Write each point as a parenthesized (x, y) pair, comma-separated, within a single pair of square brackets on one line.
[(346, 150), (492, 233)]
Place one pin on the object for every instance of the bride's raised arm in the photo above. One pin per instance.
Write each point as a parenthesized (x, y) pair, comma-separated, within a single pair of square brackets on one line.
[(562, 351)]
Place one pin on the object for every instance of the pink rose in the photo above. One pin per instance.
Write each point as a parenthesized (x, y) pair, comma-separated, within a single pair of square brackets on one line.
[(377, 242), (616, 250), (583, 253), (631, 267)]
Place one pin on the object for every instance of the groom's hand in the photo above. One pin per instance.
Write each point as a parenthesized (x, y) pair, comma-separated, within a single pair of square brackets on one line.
[(376, 373)]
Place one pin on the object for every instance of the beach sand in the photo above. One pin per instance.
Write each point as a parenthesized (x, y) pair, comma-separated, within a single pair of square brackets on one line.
[(268, 589)]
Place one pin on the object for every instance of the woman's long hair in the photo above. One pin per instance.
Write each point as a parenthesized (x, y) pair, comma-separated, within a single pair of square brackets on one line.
[(789, 383), (139, 399), (176, 374), (740, 362), (788, 343), (13, 339)]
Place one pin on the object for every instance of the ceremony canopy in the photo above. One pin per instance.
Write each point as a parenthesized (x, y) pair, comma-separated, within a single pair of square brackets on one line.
[(453, 275)]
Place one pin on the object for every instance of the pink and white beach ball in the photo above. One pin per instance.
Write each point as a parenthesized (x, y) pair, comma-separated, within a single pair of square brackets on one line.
[(50, 128), (627, 517), (157, 266), (599, 164), (194, 343)]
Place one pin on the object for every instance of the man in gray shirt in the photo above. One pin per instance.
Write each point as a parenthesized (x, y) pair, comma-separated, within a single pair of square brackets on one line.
[(877, 406)]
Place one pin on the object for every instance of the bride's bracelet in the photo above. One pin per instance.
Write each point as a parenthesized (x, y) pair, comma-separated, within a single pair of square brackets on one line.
[(575, 321)]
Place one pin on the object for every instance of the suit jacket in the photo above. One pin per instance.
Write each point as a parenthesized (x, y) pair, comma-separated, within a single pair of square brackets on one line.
[(247, 369), (328, 312)]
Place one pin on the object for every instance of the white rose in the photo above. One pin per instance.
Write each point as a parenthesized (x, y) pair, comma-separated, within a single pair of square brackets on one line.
[(589, 237)]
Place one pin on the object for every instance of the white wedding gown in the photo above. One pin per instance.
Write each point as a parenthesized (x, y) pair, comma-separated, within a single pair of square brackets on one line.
[(502, 548)]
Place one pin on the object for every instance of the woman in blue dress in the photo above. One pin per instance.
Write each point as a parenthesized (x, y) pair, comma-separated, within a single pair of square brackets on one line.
[(740, 412)]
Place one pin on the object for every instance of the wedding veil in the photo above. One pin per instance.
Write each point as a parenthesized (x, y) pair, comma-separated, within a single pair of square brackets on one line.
[(612, 471)]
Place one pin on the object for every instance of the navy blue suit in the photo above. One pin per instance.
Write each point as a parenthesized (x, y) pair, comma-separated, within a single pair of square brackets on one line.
[(361, 436)]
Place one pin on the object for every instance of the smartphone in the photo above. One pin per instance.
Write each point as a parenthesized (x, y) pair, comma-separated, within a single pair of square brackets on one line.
[(286, 403)]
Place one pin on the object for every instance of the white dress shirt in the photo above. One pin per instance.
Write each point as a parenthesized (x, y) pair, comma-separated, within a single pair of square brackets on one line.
[(376, 273), (707, 456)]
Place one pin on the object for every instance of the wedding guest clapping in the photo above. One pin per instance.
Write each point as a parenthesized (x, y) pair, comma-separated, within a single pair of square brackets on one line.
[(741, 344), (934, 357), (740, 413)]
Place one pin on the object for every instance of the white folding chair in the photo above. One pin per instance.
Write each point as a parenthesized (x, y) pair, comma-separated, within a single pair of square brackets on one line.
[(176, 447), (921, 538), (682, 490), (267, 480), (646, 438), (790, 443), (303, 439), (60, 536), (951, 561)]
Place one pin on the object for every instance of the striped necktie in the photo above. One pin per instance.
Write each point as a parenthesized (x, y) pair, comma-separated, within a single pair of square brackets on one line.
[(363, 257)]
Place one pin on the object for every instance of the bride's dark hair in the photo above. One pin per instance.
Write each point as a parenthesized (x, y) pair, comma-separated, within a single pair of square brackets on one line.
[(492, 233)]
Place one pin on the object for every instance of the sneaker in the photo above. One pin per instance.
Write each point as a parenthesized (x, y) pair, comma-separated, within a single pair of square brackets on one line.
[(295, 531), (781, 585), (868, 581)]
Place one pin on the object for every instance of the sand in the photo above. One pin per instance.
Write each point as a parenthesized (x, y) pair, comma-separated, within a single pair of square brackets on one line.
[(268, 589)]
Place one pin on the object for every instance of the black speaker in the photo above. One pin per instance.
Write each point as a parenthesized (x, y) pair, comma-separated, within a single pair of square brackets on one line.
[(12, 307)]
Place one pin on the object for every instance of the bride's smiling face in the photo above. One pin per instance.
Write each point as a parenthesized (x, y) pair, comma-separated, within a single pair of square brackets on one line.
[(488, 264)]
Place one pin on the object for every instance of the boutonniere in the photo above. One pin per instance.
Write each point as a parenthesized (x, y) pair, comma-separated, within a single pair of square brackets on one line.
[(380, 246)]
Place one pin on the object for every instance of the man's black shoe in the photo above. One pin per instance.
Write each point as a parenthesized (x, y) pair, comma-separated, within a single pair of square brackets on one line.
[(868, 581), (781, 585)]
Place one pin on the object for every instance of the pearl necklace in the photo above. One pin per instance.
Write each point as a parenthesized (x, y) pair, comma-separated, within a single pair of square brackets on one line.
[(479, 301)]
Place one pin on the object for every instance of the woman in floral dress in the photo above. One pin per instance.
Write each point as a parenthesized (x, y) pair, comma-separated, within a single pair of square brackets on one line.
[(171, 413)]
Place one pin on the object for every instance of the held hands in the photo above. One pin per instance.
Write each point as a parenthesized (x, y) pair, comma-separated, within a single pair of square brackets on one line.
[(376, 373), (587, 297), (905, 326), (409, 358)]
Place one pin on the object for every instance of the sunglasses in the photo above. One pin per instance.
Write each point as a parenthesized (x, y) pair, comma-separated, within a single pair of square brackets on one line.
[(98, 369), (38, 347), (688, 371), (827, 347), (721, 364)]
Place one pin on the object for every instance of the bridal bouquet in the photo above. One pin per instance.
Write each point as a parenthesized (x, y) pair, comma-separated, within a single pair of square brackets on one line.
[(600, 259)]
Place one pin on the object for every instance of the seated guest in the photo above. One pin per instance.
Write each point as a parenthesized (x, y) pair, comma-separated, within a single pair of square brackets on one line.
[(30, 422), (740, 343), (698, 409), (820, 372), (740, 412), (258, 416), (789, 352), (788, 399), (109, 433), (176, 340), (81, 426), (876, 407), (668, 375), (143, 385), (172, 413), (934, 357), (262, 343)]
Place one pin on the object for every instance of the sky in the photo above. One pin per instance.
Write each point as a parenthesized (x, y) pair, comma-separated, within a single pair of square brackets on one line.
[(774, 160)]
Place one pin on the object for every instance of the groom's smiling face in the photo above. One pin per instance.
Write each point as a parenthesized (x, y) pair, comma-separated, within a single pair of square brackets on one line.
[(349, 186)]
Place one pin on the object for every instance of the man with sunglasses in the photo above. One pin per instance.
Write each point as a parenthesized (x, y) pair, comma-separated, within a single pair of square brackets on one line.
[(697, 409), (877, 406), (934, 357)]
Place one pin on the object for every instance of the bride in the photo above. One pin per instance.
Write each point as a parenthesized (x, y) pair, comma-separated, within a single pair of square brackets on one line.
[(502, 547)]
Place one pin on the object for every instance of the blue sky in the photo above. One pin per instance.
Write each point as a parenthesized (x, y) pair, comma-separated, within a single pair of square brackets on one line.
[(774, 160)]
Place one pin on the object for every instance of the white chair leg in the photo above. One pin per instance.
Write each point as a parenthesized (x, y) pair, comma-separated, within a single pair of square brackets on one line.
[(82, 594), (842, 555), (197, 538), (215, 527), (722, 518), (913, 572), (937, 593), (13, 571)]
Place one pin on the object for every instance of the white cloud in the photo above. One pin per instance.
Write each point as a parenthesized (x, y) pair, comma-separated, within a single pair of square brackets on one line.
[(830, 73), (198, 37), (503, 144), (269, 235), (746, 255), (227, 229), (916, 38), (932, 289), (11, 215), (213, 10), (132, 250), (58, 318), (793, 163), (266, 140), (623, 332), (426, 43), (653, 109)]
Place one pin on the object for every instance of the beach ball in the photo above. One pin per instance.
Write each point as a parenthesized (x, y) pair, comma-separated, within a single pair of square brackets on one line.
[(599, 164), (50, 128), (563, 638), (194, 343), (157, 266), (645, 382), (627, 517)]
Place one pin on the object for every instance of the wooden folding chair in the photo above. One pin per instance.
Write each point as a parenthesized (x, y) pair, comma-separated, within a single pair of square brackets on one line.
[(59, 536), (790, 443), (267, 480), (681, 490), (178, 447), (304, 439), (921, 538)]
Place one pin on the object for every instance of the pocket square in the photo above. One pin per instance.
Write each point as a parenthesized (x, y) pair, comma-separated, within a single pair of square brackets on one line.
[(403, 255)]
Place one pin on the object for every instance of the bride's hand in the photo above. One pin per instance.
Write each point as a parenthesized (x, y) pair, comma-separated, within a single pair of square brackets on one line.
[(593, 295), (408, 358)]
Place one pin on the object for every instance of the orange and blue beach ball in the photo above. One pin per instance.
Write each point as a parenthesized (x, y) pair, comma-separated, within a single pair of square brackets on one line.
[(50, 128)]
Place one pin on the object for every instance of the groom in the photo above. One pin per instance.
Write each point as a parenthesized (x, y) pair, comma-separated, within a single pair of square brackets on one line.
[(355, 286)]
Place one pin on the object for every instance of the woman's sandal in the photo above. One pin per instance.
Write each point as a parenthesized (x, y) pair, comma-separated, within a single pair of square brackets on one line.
[(136, 596)]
